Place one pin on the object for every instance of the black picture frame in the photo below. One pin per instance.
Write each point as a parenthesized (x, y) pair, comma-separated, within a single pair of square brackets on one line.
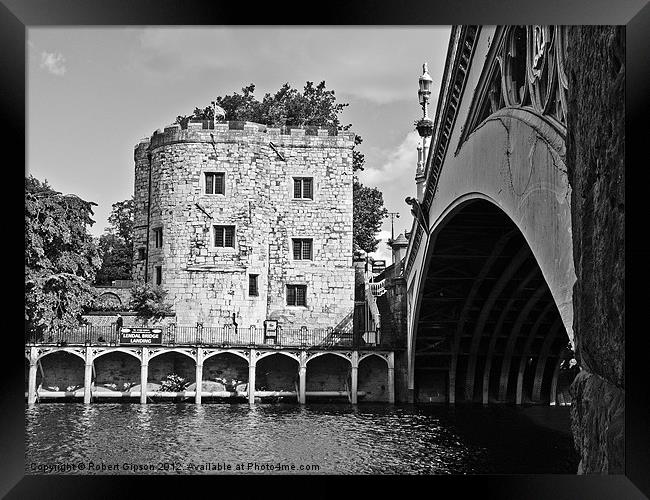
[(17, 15)]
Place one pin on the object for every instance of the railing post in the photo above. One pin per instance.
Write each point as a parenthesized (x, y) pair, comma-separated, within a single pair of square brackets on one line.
[(303, 334), (199, 333)]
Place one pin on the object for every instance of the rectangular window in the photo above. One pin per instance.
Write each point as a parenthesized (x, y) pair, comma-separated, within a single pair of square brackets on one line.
[(296, 295), (214, 183), (224, 236), (302, 187), (157, 233), (252, 285), (158, 275), (141, 254), (302, 249)]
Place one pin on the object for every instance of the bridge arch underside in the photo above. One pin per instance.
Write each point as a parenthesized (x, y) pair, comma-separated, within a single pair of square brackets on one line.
[(488, 328)]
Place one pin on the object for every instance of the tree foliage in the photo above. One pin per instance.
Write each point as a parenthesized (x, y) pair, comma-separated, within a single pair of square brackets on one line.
[(60, 257), (121, 220), (116, 244), (148, 301), (314, 106), (369, 213)]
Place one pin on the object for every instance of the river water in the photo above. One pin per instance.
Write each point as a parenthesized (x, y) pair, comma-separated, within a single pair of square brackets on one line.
[(170, 438)]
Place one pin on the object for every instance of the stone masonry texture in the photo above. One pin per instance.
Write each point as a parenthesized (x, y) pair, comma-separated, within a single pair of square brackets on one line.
[(595, 161), (209, 284)]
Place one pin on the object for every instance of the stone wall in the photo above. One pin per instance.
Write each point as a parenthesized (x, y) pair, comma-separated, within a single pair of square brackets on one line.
[(114, 295), (226, 366), (328, 372), (373, 379), (209, 284), (62, 370), (401, 377), (392, 307), (595, 161), (276, 373), (171, 362), (117, 368)]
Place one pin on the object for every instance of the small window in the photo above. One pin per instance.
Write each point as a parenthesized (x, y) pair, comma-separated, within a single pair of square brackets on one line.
[(224, 236), (214, 183), (302, 187), (296, 295), (157, 233), (252, 285), (158, 275), (302, 249), (141, 254)]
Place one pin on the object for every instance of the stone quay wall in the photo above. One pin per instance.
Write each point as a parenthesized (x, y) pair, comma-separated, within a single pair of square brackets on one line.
[(596, 168), (209, 284)]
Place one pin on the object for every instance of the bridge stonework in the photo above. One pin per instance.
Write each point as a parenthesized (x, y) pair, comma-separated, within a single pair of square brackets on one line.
[(515, 262), (507, 149)]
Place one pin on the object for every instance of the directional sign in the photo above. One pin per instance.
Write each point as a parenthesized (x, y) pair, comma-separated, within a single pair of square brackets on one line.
[(141, 336), (378, 266)]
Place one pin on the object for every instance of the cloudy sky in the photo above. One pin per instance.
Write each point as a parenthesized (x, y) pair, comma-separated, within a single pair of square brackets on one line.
[(93, 93)]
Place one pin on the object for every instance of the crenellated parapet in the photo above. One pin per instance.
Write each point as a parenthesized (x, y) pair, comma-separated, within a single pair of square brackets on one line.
[(237, 131)]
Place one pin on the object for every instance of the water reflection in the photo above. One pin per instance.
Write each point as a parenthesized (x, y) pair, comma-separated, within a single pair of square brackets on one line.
[(339, 439)]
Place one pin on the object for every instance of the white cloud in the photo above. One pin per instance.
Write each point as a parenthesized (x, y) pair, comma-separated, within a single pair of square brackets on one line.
[(398, 163), (383, 251), (54, 62)]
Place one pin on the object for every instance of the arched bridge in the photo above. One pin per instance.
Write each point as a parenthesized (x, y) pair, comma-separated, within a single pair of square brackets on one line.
[(489, 266)]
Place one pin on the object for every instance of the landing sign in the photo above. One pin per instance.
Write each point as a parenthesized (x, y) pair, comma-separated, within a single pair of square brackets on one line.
[(141, 336)]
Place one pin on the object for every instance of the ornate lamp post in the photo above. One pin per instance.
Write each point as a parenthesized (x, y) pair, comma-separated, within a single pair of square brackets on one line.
[(424, 92), (424, 127)]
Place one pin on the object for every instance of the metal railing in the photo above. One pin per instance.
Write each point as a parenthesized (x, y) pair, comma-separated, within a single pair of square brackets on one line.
[(83, 334), (225, 336), (378, 288)]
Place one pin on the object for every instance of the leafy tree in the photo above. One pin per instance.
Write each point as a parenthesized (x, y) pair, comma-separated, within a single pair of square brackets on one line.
[(121, 220), (315, 106), (61, 258), (368, 215), (116, 244), (149, 301)]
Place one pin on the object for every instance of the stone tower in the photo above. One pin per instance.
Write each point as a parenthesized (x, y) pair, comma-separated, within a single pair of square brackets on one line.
[(245, 220)]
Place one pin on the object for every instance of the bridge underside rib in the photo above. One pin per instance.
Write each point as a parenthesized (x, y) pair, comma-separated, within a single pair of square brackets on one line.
[(486, 315)]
